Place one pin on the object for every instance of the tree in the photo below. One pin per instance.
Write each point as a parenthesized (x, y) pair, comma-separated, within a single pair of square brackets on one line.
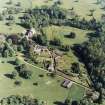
[(14, 74), (19, 100), (18, 83), (14, 38), (1, 17), (6, 53), (20, 48), (56, 42), (75, 68), (9, 41), (10, 2), (67, 102), (32, 54), (25, 72), (41, 39)]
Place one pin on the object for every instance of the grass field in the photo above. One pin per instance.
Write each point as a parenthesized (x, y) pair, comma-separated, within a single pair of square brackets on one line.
[(15, 28), (81, 8), (48, 89), (61, 32), (24, 3)]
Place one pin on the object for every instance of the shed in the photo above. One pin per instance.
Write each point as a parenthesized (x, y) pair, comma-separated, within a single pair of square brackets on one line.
[(67, 83)]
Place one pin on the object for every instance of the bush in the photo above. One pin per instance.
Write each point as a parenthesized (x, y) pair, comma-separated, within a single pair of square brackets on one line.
[(65, 47), (24, 72), (14, 74), (18, 83), (71, 35), (17, 61), (41, 75), (36, 84), (19, 100)]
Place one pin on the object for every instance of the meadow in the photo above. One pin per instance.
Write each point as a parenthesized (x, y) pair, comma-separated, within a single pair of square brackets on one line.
[(82, 8), (48, 89), (15, 28), (62, 31)]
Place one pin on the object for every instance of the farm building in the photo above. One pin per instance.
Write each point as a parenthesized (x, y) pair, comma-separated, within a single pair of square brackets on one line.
[(67, 83), (29, 33), (51, 68)]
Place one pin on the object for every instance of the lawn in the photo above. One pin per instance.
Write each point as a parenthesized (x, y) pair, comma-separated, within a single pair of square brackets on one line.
[(48, 89), (61, 32)]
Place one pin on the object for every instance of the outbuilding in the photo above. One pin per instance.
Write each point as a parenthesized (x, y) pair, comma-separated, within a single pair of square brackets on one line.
[(67, 83)]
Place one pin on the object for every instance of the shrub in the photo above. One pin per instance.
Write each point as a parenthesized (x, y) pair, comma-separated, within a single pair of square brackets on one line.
[(18, 83), (71, 35)]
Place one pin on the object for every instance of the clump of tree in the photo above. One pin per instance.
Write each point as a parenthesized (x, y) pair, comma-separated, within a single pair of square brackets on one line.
[(75, 68), (44, 16), (24, 71), (54, 15), (41, 39), (19, 100), (93, 55), (83, 101), (55, 42), (83, 24), (6, 50), (32, 54)]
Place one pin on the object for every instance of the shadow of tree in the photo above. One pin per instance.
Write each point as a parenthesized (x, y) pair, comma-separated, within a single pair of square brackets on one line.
[(59, 103), (8, 76), (11, 62)]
